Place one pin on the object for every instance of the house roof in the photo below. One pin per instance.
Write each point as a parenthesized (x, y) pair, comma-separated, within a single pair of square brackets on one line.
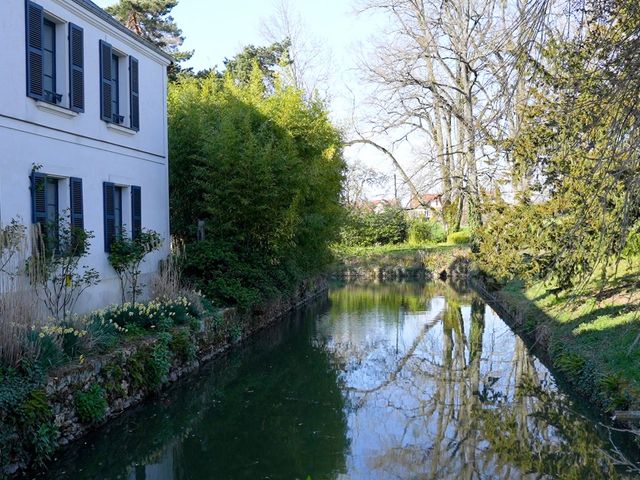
[(100, 13), (371, 204), (386, 202), (424, 200)]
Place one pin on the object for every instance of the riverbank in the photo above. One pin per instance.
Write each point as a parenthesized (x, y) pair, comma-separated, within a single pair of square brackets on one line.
[(403, 261), (84, 394), (587, 335)]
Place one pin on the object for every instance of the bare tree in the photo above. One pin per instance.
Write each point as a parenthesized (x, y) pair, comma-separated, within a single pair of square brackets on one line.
[(309, 63), (358, 178), (445, 76)]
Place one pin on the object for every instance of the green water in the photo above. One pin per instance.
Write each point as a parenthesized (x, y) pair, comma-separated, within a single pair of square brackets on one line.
[(386, 381)]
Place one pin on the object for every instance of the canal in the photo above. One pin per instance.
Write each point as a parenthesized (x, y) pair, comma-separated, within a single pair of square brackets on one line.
[(380, 381)]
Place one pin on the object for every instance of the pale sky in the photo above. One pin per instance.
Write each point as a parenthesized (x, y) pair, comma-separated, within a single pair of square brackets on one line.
[(217, 29)]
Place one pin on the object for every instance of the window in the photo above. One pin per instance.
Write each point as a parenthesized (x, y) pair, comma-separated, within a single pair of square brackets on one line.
[(50, 230), (115, 209), (76, 68), (76, 213), (49, 57), (46, 51), (113, 94), (134, 95), (45, 207), (52, 201)]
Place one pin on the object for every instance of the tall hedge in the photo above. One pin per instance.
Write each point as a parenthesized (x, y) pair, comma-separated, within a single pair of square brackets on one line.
[(264, 173), (367, 228)]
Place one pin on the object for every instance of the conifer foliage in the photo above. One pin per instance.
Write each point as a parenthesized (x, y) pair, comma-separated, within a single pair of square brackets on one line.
[(151, 20)]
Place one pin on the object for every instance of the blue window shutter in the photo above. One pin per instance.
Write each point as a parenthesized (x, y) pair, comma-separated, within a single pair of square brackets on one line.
[(35, 54), (136, 211), (106, 85), (134, 92), (76, 68), (77, 204), (109, 214), (77, 210), (39, 198)]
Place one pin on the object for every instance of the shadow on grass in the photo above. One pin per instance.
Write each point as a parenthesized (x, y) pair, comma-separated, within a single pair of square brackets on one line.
[(596, 359)]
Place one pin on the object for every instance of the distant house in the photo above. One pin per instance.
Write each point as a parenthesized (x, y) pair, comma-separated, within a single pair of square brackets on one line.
[(377, 206), (83, 127), (426, 206)]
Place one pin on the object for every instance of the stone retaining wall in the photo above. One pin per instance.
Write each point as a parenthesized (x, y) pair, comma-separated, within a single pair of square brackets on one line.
[(114, 372), (418, 265)]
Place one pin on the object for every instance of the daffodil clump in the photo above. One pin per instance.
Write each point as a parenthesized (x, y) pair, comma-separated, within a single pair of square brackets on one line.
[(157, 314), (59, 330)]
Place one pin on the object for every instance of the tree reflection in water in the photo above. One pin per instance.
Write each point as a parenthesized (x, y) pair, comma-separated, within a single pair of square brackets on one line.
[(437, 386), (407, 381)]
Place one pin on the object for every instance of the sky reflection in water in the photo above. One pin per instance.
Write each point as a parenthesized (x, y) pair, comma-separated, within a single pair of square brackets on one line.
[(384, 381)]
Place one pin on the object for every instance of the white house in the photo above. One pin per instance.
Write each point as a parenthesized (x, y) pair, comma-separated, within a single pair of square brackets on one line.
[(426, 206), (83, 127)]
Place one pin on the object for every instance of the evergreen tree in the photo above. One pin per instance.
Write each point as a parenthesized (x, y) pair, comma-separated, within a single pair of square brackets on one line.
[(580, 144), (268, 59), (151, 20)]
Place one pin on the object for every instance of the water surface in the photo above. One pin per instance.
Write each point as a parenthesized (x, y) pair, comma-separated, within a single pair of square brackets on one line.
[(382, 381)]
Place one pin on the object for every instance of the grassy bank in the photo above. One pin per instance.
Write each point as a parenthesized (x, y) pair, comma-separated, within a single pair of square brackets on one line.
[(588, 332)]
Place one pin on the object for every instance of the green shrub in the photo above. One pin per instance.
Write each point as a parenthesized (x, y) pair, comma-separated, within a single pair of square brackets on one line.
[(103, 333), (183, 346), (55, 268), (160, 363), (237, 278), (235, 331), (91, 404), (632, 246), (617, 391), (364, 228), (570, 363), (27, 432), (40, 432), (126, 256), (45, 442), (422, 231), (195, 324), (459, 238), (113, 375), (133, 330), (36, 407), (50, 352), (149, 366), (226, 140)]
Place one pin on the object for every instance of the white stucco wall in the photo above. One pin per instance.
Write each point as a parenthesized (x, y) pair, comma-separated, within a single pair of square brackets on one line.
[(83, 145)]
